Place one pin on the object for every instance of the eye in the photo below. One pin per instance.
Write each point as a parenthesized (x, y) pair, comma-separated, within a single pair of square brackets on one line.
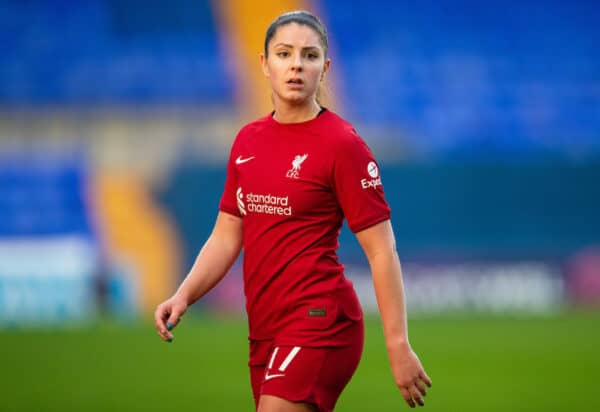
[(313, 56), (283, 53)]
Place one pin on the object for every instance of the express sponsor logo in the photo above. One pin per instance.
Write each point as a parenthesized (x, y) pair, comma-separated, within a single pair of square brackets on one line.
[(266, 204), (373, 171)]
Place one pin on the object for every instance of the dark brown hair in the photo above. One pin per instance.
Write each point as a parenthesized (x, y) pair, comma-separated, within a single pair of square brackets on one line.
[(301, 17)]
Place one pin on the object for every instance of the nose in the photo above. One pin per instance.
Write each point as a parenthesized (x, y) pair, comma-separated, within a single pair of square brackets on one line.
[(297, 62)]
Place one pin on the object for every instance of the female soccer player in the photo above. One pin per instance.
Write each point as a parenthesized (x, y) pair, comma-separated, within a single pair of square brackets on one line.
[(292, 177)]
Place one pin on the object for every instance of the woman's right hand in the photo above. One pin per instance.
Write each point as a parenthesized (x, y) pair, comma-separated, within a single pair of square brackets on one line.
[(167, 316)]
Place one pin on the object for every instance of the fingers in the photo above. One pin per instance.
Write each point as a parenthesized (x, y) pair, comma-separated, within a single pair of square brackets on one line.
[(413, 396), (416, 395), (167, 315), (160, 316), (414, 391), (410, 376), (174, 319), (165, 336), (423, 376), (421, 387), (407, 397)]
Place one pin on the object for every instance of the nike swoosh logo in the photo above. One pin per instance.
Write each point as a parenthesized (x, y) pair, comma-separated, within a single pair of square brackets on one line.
[(276, 375), (239, 160)]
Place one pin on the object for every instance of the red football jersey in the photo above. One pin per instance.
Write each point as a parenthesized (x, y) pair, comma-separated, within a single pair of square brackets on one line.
[(292, 185)]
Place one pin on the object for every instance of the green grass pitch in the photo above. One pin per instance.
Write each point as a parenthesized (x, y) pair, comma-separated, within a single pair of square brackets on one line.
[(477, 363)]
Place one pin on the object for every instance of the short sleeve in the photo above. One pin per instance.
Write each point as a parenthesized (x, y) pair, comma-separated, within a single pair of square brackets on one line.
[(228, 202), (357, 184)]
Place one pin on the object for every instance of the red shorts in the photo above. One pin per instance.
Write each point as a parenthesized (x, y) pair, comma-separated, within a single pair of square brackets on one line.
[(315, 375)]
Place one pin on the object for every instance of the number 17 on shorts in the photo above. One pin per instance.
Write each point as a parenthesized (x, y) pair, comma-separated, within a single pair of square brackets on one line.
[(274, 371), (306, 374)]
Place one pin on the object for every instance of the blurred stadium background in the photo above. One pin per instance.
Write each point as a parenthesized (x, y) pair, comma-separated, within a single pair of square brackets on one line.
[(116, 118)]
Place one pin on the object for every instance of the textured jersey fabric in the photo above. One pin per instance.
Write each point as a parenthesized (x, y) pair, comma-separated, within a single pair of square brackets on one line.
[(292, 185)]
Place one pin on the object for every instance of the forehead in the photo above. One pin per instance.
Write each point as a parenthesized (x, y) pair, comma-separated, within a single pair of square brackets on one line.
[(298, 35)]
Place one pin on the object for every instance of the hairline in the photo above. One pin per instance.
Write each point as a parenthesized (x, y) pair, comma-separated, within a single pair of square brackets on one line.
[(294, 19)]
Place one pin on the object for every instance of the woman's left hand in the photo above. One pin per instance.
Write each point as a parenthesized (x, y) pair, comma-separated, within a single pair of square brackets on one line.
[(409, 374)]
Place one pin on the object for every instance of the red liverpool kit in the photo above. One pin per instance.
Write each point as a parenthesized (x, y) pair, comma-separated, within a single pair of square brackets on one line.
[(292, 185)]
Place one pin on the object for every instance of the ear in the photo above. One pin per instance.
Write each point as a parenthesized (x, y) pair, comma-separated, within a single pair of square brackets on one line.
[(326, 67), (264, 65)]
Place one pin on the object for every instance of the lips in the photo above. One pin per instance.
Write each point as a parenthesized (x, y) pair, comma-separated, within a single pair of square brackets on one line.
[(295, 83)]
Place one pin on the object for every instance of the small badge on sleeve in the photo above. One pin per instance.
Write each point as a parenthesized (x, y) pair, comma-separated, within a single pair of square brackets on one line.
[(373, 171)]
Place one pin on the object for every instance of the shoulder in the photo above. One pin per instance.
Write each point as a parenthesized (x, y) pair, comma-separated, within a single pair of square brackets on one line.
[(341, 132), (337, 125), (250, 130), (254, 127)]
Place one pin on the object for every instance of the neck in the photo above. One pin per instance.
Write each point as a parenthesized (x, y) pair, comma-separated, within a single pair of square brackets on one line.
[(296, 114)]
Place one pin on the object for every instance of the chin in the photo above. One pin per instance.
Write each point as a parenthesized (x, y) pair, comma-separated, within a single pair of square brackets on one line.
[(295, 99)]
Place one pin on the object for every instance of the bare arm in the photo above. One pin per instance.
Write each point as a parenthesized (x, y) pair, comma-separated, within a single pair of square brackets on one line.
[(379, 246), (214, 260)]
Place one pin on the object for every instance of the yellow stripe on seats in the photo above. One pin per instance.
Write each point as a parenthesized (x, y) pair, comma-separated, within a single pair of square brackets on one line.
[(135, 230)]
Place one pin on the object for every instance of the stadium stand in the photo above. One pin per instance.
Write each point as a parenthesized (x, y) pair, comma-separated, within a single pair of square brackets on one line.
[(466, 76), (478, 76), (107, 52), (49, 249), (43, 195)]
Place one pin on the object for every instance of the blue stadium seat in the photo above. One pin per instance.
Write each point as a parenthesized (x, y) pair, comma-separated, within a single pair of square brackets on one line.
[(101, 51), (453, 75), (43, 195)]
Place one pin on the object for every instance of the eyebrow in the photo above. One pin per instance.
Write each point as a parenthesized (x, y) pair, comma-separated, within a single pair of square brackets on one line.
[(291, 46)]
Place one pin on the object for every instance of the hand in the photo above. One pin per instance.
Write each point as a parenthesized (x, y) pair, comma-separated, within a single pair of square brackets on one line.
[(409, 374), (167, 316)]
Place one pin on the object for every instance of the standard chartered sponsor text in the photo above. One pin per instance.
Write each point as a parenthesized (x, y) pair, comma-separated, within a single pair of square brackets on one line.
[(268, 204)]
